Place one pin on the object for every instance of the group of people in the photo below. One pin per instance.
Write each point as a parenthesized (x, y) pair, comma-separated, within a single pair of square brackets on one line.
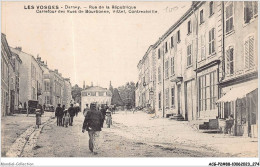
[(94, 121), (65, 116)]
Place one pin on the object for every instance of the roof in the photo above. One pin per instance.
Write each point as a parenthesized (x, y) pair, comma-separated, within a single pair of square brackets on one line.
[(238, 92), (95, 89)]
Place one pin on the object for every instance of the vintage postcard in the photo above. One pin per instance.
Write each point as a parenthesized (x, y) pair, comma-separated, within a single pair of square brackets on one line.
[(88, 79)]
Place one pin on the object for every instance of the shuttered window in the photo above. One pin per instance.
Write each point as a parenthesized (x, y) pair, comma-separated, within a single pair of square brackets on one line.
[(166, 47), (203, 47), (167, 97), (212, 41), (211, 12), (230, 61), (229, 17), (201, 17), (249, 53), (178, 36), (189, 27), (173, 96), (172, 65), (172, 44), (166, 69), (250, 10), (189, 58), (159, 74)]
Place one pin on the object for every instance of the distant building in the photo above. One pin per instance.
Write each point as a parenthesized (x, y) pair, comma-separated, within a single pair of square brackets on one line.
[(95, 94), (31, 80), (67, 97), (56, 87)]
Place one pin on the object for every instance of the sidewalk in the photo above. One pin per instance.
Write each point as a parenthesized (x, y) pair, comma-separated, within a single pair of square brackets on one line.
[(13, 126), (171, 133)]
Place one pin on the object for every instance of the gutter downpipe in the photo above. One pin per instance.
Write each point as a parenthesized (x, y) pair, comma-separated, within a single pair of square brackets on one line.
[(196, 67), (163, 83)]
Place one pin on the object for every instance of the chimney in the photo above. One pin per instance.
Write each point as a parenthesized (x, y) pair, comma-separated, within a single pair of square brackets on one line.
[(18, 48), (84, 85), (91, 84), (56, 70)]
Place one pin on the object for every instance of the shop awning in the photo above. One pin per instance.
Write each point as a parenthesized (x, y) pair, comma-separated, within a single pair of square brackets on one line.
[(238, 92)]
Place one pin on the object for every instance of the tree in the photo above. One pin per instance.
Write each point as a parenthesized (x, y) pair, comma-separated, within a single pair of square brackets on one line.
[(127, 93), (116, 99), (76, 93)]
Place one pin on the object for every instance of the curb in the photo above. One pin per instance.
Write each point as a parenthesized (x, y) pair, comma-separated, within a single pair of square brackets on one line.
[(18, 146)]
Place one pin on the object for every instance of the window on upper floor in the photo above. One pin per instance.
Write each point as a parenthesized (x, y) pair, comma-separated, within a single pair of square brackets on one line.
[(46, 86), (203, 48), (159, 53), (230, 61), (211, 8), (250, 10), (166, 47), (212, 40), (167, 69), (172, 40), (178, 36), (189, 27), (159, 74), (229, 17), (201, 17), (189, 55), (172, 65), (249, 57)]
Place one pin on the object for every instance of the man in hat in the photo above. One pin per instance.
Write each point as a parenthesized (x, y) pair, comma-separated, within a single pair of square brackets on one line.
[(92, 124)]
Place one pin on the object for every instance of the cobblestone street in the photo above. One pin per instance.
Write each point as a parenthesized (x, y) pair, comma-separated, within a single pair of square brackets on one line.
[(124, 140)]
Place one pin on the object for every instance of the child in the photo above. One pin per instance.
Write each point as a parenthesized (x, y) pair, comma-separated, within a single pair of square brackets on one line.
[(109, 118), (66, 118), (38, 117)]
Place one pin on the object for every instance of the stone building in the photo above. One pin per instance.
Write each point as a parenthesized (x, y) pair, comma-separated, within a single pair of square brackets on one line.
[(7, 69), (239, 82), (56, 88), (15, 99), (95, 94), (145, 87), (31, 78), (211, 49), (67, 97)]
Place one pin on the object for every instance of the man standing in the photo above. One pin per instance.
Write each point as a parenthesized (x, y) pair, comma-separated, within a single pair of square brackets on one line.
[(92, 124), (103, 111), (71, 111), (58, 114)]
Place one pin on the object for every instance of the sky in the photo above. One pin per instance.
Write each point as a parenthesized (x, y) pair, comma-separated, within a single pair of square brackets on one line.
[(96, 48)]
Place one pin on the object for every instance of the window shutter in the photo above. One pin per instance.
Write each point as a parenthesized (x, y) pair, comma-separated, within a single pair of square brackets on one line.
[(251, 51), (246, 54), (228, 61)]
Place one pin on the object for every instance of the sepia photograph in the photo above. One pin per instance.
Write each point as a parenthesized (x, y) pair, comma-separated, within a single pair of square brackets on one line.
[(141, 79)]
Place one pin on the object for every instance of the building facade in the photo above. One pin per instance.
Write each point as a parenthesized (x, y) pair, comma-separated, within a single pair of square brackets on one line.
[(95, 94), (31, 78), (67, 97), (7, 69), (240, 70), (15, 99), (56, 87), (208, 51)]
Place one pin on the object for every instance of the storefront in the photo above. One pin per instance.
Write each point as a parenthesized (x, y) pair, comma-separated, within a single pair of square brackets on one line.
[(241, 101)]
